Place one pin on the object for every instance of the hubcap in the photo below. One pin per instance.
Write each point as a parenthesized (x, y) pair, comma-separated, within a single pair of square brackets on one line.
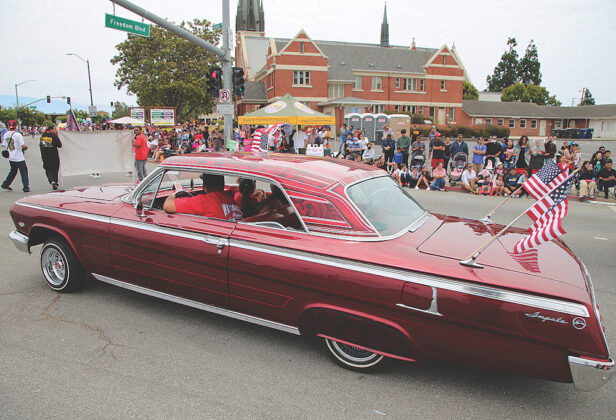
[(54, 266), (355, 354)]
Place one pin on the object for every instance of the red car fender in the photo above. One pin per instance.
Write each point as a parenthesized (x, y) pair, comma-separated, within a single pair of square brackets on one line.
[(39, 233), (357, 328)]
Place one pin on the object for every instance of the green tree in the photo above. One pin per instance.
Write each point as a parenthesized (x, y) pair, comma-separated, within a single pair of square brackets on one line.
[(587, 98), (515, 93), (507, 70), (529, 71), (469, 91), (120, 109), (166, 70)]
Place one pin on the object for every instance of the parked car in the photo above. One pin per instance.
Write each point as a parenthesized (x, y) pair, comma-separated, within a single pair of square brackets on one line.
[(346, 254)]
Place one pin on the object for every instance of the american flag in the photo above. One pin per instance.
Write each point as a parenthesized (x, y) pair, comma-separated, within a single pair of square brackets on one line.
[(71, 123), (547, 215), (260, 137), (543, 181), (527, 259)]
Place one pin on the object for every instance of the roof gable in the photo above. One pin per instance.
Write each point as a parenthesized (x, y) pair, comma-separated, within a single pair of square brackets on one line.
[(301, 36)]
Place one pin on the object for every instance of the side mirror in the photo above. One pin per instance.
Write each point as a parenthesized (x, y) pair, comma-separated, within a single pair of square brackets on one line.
[(139, 210)]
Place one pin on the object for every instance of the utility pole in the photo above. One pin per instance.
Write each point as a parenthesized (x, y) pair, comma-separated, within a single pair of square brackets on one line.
[(223, 54), (87, 61), (17, 100)]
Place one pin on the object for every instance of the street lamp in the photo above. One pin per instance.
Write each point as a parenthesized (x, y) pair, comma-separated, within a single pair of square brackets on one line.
[(89, 79), (17, 100)]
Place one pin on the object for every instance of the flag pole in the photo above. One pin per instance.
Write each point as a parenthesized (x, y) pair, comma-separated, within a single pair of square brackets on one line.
[(470, 260), (491, 213)]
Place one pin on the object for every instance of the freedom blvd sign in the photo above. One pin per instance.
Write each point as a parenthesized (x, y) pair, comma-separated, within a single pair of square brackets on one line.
[(127, 25)]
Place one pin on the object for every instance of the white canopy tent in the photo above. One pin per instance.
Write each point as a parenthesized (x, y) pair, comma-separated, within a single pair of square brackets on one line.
[(127, 120)]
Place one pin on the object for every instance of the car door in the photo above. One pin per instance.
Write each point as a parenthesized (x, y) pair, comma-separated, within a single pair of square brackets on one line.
[(179, 254)]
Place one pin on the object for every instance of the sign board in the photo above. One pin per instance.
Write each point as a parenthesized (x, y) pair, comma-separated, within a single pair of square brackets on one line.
[(162, 116), (224, 109), (32, 107), (216, 26), (127, 25), (92, 111), (224, 95), (138, 114)]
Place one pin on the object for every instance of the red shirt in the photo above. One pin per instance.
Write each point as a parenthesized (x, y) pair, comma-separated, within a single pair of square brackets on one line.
[(217, 204), (141, 147)]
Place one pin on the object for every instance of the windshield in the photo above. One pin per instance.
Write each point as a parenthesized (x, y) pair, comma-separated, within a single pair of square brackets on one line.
[(388, 206)]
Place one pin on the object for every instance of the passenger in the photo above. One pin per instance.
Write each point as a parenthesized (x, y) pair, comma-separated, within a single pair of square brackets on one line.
[(249, 198), (214, 202), (276, 200)]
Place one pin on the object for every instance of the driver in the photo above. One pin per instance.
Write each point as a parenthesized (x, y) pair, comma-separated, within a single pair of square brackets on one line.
[(214, 202)]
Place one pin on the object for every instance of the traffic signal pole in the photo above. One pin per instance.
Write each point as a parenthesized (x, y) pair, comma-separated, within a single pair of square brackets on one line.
[(223, 54)]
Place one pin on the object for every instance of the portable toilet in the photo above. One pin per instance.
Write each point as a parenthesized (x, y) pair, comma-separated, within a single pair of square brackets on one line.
[(399, 122), (368, 124), (381, 120), (354, 120)]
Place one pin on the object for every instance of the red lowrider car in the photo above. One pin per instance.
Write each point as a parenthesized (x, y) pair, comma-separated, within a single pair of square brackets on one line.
[(346, 255)]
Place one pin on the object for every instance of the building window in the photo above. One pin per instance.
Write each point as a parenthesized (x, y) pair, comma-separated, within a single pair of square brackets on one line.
[(410, 85), (335, 90), (397, 83), (377, 109), (307, 103), (501, 121), (488, 120), (377, 82), (444, 60), (511, 123), (397, 108), (451, 114), (420, 110), (432, 112), (421, 85), (522, 123), (301, 78), (301, 47), (357, 83), (533, 124), (443, 86), (557, 124)]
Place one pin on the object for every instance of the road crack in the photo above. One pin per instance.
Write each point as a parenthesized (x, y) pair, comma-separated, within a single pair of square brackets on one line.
[(101, 333)]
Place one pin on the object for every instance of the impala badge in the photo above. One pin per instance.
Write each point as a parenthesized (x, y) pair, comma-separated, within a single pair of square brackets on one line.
[(544, 318), (579, 323)]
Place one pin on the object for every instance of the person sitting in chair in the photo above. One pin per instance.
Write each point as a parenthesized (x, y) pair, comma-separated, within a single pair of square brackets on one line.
[(214, 202)]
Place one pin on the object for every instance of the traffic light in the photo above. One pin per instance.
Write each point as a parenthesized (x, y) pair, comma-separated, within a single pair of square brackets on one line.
[(238, 81), (68, 100), (48, 99), (214, 81)]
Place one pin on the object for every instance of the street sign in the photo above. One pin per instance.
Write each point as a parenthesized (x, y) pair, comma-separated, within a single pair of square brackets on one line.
[(92, 111), (127, 25), (216, 26), (224, 109), (32, 107), (224, 95)]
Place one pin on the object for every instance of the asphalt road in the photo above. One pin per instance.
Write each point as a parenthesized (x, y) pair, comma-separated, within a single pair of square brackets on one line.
[(106, 352)]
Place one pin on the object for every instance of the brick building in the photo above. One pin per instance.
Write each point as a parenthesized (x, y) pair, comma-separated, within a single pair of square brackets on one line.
[(338, 77)]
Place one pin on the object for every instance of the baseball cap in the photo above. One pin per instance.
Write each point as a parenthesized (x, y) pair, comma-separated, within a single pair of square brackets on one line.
[(12, 124)]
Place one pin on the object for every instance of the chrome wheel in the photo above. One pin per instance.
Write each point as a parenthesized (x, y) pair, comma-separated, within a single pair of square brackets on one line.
[(353, 357), (54, 266)]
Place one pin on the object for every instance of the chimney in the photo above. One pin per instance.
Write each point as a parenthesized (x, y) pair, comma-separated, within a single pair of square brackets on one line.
[(413, 47)]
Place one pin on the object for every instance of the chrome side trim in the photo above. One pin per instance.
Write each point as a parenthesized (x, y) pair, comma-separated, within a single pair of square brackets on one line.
[(74, 213), (432, 310), (588, 374), (20, 241), (199, 305), (484, 291)]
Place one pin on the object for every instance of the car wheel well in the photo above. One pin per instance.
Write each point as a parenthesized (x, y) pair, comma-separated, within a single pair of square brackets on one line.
[(357, 329), (40, 234)]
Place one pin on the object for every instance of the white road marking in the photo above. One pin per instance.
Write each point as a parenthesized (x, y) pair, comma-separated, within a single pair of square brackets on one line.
[(601, 239)]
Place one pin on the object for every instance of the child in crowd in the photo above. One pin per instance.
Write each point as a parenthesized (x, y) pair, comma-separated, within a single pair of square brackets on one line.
[(405, 176), (424, 179), (415, 175), (397, 159), (395, 173), (500, 170), (499, 185)]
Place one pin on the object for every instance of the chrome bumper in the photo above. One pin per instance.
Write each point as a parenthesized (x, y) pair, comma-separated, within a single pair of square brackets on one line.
[(20, 241), (589, 374)]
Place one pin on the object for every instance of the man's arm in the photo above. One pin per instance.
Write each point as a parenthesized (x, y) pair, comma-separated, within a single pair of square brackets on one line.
[(169, 204)]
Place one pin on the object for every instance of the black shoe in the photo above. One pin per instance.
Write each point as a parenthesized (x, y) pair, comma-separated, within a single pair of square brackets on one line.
[(54, 186), (7, 188), (26, 189)]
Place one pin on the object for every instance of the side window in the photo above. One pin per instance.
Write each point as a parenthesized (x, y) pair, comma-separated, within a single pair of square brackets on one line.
[(149, 193)]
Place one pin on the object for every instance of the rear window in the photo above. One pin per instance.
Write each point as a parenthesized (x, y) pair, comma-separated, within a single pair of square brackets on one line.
[(388, 206)]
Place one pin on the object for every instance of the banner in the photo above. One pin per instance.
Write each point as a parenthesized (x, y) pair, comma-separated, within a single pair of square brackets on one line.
[(162, 116), (89, 152), (138, 114)]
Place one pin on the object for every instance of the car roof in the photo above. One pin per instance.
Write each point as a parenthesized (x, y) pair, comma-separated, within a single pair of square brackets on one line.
[(287, 169)]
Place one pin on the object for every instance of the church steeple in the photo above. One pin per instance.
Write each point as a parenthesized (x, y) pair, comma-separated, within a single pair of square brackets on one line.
[(385, 29), (250, 16)]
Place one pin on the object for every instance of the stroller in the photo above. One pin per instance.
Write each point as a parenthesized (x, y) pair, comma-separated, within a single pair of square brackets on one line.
[(458, 164), (418, 161)]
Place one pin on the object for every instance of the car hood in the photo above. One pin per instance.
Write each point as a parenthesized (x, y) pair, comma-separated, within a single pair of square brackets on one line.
[(458, 238), (105, 192)]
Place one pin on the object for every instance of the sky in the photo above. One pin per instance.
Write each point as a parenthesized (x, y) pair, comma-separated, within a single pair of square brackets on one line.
[(574, 38)]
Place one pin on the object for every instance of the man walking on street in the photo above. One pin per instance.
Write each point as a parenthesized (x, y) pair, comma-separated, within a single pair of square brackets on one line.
[(14, 143), (404, 142), (141, 153), (49, 144)]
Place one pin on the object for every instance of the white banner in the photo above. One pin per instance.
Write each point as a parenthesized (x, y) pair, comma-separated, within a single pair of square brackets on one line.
[(89, 152)]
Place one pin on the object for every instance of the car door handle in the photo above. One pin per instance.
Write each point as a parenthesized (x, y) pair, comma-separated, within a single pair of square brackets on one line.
[(219, 242)]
